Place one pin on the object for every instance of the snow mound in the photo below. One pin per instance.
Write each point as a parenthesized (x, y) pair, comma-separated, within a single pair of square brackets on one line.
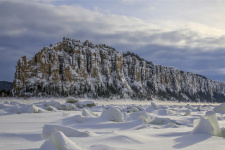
[(187, 112), (28, 109), (6, 102), (14, 103), (163, 121), (164, 112), (51, 108), (70, 132), (58, 141), (53, 103), (139, 115), (132, 109), (220, 108), (68, 107), (82, 104), (199, 108), (125, 139), (86, 112), (113, 114), (80, 118), (71, 100)]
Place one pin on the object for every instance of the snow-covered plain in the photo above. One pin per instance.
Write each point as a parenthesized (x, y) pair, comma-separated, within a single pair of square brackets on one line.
[(52, 124)]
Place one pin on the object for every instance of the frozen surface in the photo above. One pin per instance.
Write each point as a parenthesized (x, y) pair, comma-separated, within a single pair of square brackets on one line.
[(110, 125)]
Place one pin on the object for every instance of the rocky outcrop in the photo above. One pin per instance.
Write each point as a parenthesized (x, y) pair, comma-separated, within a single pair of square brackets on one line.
[(87, 70)]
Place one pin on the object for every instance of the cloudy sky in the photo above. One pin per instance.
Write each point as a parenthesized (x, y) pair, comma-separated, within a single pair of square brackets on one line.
[(186, 34)]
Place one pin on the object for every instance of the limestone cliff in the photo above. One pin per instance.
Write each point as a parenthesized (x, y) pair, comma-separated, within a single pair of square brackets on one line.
[(87, 70)]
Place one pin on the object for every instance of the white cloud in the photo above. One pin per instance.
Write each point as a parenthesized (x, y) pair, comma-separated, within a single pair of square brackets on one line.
[(30, 26)]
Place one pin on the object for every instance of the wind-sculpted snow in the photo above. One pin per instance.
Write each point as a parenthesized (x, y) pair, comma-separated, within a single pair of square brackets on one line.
[(110, 125), (87, 70)]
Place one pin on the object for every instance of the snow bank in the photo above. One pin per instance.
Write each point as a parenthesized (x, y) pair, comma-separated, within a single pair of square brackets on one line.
[(70, 132), (113, 114), (220, 108), (58, 141)]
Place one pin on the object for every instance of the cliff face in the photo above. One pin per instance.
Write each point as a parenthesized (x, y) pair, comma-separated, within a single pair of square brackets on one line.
[(84, 69)]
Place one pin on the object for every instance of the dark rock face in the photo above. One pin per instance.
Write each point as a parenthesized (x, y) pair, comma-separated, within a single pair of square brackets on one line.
[(84, 69)]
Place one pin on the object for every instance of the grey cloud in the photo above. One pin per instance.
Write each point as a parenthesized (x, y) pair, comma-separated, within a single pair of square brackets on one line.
[(28, 27)]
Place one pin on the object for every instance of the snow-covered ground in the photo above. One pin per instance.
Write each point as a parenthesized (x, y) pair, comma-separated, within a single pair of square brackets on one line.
[(52, 124)]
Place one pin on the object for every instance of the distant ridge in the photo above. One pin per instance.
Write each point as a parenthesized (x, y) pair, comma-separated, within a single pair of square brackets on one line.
[(88, 70), (5, 85)]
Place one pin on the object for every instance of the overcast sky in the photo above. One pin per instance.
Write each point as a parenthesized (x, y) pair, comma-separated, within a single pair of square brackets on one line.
[(186, 34)]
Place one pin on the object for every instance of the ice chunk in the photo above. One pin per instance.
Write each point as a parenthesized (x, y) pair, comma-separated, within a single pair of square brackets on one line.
[(132, 109), (14, 103), (199, 108), (51, 108), (154, 105), (163, 121), (207, 125), (188, 112), (82, 104), (88, 113), (223, 132), (80, 118), (164, 112), (6, 102), (70, 132), (140, 115), (28, 109), (203, 126), (53, 103), (71, 100), (58, 141), (211, 115), (68, 107), (113, 114)]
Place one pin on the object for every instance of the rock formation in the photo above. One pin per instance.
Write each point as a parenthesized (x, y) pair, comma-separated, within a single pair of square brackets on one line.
[(87, 70)]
